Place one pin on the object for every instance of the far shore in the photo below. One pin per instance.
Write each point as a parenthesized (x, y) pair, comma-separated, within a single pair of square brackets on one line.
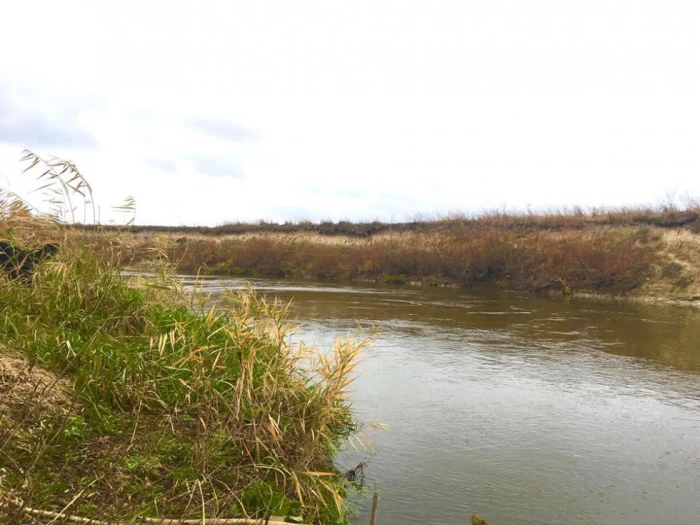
[(644, 255)]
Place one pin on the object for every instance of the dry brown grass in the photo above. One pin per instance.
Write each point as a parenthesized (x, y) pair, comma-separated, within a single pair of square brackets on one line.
[(462, 253), (610, 251)]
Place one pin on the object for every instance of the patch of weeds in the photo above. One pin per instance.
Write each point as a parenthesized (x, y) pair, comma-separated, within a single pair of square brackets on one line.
[(671, 271), (172, 450), (394, 279), (143, 465), (263, 495), (76, 428), (642, 235), (88, 509), (684, 281)]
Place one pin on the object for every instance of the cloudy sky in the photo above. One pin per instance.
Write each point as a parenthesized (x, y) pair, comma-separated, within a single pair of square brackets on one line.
[(217, 111)]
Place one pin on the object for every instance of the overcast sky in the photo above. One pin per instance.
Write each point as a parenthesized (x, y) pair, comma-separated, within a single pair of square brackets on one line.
[(217, 111)]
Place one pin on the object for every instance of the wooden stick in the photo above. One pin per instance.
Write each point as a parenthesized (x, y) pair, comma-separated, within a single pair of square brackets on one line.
[(154, 521), (375, 503), (48, 514)]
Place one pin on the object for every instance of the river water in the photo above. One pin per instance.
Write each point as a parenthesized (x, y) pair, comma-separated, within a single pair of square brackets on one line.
[(521, 409)]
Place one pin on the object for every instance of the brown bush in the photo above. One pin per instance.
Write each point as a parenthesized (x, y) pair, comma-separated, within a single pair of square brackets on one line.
[(464, 253)]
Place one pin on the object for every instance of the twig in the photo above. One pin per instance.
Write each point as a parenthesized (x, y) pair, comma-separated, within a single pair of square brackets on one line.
[(64, 509), (584, 267)]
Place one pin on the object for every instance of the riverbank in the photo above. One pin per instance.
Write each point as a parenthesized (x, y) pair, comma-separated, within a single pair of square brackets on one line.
[(633, 254), (122, 400)]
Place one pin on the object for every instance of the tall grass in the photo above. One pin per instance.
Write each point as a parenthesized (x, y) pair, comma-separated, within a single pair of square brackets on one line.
[(130, 399), (465, 254)]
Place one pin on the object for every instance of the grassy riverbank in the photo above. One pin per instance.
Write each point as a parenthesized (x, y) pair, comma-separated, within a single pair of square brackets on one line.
[(638, 252), (125, 399)]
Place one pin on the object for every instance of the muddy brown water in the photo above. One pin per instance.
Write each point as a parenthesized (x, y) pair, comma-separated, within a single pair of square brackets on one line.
[(521, 409)]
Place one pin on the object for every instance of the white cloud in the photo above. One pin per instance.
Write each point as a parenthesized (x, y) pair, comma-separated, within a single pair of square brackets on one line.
[(285, 110)]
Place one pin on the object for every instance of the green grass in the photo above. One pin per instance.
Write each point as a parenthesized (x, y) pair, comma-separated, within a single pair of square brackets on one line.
[(168, 407)]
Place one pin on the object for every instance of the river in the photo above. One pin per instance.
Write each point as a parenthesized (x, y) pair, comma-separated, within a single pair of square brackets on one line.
[(521, 409)]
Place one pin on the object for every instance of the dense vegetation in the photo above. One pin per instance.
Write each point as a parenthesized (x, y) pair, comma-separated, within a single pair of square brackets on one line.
[(463, 254), (611, 252), (123, 399)]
